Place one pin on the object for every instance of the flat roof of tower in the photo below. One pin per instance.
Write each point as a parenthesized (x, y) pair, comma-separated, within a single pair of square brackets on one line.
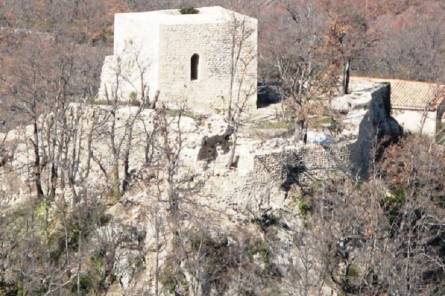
[(213, 14)]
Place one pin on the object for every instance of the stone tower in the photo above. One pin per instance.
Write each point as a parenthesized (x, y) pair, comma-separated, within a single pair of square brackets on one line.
[(204, 59)]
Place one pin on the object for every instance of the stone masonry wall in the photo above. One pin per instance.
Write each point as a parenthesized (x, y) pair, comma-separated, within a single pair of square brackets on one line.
[(163, 48), (136, 51), (213, 44), (303, 162)]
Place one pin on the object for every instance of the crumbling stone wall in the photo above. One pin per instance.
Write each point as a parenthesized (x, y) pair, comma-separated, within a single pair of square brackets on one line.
[(300, 164)]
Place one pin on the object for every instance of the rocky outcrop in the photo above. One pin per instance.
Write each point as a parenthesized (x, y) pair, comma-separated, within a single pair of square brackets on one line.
[(210, 145), (377, 128), (233, 224)]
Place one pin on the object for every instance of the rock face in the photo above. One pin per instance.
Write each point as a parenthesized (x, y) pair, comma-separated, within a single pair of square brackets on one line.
[(376, 130), (355, 105), (214, 144), (254, 207)]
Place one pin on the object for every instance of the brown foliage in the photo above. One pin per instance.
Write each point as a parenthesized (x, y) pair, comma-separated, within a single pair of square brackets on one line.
[(385, 236), (416, 163)]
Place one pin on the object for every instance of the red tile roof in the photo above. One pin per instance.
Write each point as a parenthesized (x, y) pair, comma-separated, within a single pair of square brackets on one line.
[(414, 95)]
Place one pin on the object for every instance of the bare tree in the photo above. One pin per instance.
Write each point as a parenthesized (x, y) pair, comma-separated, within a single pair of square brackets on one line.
[(243, 55), (121, 141), (380, 236), (303, 69)]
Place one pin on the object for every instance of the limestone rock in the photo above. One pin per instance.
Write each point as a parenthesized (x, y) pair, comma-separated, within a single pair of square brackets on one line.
[(376, 130), (127, 263), (314, 137), (355, 105)]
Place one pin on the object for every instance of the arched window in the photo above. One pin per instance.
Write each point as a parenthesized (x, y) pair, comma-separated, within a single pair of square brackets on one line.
[(194, 67)]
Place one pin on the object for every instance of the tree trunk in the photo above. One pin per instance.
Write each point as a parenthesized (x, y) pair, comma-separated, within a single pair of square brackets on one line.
[(37, 163), (300, 133), (231, 162), (346, 76), (127, 176), (116, 188)]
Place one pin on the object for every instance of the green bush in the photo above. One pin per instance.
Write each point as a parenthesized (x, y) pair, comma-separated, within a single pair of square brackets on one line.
[(133, 99), (273, 125), (258, 247), (353, 271), (9, 289), (86, 284), (189, 10), (304, 208), (266, 220), (171, 279), (91, 282), (392, 203)]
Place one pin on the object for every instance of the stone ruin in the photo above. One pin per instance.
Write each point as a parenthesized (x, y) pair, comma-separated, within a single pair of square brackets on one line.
[(370, 128), (367, 115)]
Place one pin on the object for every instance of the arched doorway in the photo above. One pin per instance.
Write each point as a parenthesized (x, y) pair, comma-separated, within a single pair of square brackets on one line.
[(194, 70)]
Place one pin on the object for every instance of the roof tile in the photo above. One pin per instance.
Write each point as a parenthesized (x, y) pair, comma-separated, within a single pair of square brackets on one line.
[(407, 94)]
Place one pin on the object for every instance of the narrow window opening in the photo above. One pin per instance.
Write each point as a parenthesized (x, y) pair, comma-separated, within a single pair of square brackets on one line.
[(194, 67)]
